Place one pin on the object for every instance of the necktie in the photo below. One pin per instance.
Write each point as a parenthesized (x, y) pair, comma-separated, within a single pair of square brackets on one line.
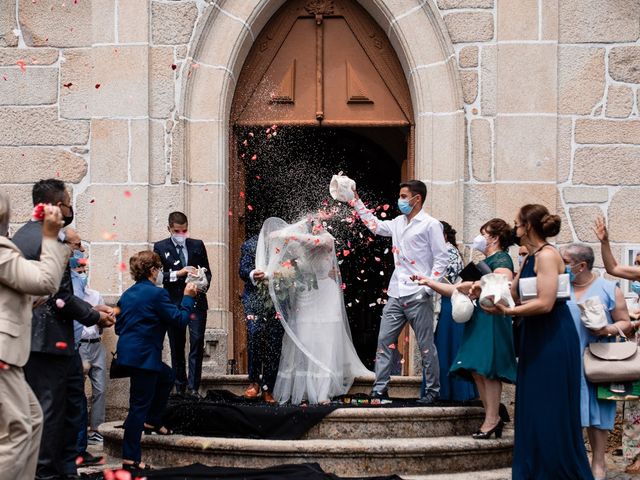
[(181, 256)]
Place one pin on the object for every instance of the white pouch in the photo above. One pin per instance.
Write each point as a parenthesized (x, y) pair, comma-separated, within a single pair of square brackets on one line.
[(197, 276), (592, 313), (495, 290), (461, 307), (341, 188), (528, 288)]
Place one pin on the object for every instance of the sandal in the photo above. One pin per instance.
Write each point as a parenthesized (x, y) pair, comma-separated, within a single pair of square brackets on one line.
[(135, 466), (148, 430)]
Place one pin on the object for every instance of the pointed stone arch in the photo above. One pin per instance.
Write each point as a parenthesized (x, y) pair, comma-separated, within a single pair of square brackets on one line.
[(223, 39)]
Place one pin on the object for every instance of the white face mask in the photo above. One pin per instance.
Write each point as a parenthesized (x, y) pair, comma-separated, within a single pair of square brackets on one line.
[(179, 238), (159, 278), (480, 243)]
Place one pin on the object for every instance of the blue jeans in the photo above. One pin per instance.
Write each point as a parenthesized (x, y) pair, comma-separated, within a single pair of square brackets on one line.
[(148, 396), (177, 342)]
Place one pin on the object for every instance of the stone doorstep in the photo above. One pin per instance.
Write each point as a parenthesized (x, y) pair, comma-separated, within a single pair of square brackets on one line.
[(498, 474), (414, 422), (399, 386), (343, 457)]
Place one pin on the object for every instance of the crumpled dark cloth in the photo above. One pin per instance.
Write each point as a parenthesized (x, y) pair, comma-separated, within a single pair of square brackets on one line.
[(197, 471), (223, 414)]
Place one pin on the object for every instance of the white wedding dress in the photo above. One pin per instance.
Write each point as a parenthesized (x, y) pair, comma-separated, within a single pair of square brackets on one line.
[(318, 360)]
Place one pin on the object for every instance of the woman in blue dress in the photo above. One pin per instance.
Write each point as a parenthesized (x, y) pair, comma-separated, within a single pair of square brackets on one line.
[(548, 434), (448, 334), (597, 416)]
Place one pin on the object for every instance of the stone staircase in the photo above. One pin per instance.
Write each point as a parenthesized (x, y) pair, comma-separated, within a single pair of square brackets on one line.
[(421, 443)]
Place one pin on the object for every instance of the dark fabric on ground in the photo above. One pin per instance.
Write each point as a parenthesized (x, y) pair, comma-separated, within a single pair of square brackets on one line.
[(303, 471), (223, 414)]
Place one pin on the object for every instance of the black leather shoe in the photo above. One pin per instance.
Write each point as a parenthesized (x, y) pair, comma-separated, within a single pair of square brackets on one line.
[(379, 395), (193, 394), (497, 430), (427, 400)]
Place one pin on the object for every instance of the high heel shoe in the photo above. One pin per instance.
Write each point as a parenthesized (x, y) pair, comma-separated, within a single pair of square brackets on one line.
[(504, 413), (497, 430), (158, 430)]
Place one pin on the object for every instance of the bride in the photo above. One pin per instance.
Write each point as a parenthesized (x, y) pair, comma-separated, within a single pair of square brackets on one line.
[(318, 360)]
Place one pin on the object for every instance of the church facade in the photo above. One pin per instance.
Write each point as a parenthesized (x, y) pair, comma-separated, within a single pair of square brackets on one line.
[(138, 105)]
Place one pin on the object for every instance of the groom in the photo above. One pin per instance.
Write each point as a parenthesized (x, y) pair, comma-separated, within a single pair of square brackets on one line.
[(418, 249)]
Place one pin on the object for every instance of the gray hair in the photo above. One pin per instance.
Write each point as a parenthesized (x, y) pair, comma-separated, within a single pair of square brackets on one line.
[(578, 253), (5, 213)]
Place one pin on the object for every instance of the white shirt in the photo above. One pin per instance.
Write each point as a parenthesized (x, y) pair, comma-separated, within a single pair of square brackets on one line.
[(94, 298), (173, 277), (418, 248)]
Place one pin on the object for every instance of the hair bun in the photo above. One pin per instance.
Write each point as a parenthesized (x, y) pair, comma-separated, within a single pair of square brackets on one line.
[(551, 225)]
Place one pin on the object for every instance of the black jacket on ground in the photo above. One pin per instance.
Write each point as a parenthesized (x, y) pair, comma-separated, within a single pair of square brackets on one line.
[(51, 324)]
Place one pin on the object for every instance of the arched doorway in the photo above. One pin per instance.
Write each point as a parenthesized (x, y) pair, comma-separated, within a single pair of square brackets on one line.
[(325, 74)]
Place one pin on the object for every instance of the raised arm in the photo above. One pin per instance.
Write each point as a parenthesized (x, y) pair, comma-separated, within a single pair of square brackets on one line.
[(35, 277), (375, 226), (176, 316), (610, 263)]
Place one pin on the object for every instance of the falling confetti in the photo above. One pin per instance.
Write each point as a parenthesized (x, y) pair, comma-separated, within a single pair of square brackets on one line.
[(60, 303), (22, 64), (250, 208), (174, 66), (127, 194), (122, 267), (97, 86), (61, 345), (67, 85), (392, 346)]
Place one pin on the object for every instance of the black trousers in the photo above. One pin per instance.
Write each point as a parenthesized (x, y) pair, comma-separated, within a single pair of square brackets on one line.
[(52, 378), (177, 342)]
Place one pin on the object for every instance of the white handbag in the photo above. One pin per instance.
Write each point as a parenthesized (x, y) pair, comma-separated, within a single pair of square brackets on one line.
[(593, 314), (199, 277), (495, 290), (341, 188), (461, 307), (528, 288)]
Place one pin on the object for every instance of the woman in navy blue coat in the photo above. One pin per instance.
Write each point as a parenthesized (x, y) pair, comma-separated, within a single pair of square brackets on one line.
[(145, 313)]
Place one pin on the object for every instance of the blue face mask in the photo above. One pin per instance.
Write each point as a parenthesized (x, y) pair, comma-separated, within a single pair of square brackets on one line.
[(404, 206), (572, 276), (635, 287), (74, 261), (84, 279)]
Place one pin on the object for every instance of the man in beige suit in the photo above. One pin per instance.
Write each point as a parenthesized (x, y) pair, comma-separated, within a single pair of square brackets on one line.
[(20, 281)]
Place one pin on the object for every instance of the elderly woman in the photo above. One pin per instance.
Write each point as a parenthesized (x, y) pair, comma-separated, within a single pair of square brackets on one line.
[(597, 415), (145, 313), (20, 412), (630, 426)]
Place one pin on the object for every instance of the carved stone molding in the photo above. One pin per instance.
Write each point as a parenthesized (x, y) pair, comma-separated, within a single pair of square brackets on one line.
[(320, 7)]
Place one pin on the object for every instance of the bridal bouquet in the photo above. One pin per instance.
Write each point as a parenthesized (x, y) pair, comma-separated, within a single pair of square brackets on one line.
[(287, 280)]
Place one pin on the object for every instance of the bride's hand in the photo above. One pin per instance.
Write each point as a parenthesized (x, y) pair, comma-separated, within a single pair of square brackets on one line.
[(421, 280)]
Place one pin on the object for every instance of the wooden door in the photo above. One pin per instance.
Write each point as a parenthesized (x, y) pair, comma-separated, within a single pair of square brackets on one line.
[(316, 63)]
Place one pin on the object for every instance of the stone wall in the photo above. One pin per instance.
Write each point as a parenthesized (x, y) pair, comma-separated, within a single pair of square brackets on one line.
[(100, 93)]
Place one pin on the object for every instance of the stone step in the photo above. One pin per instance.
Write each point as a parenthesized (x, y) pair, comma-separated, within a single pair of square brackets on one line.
[(499, 474), (399, 386), (371, 456), (409, 422)]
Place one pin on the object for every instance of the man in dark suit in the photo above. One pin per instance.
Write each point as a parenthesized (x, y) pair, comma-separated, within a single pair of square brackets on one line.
[(179, 255), (264, 331), (50, 364)]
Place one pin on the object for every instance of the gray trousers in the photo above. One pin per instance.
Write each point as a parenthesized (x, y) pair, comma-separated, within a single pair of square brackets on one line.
[(93, 356), (417, 309), (20, 426)]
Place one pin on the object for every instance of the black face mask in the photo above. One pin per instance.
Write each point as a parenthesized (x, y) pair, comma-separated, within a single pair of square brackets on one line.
[(515, 240), (68, 219)]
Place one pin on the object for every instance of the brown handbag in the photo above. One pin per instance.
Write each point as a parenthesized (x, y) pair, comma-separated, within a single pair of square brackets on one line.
[(612, 362)]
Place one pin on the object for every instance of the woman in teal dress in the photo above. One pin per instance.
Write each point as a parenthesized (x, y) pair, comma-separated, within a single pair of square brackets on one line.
[(548, 440), (487, 354), (597, 416)]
